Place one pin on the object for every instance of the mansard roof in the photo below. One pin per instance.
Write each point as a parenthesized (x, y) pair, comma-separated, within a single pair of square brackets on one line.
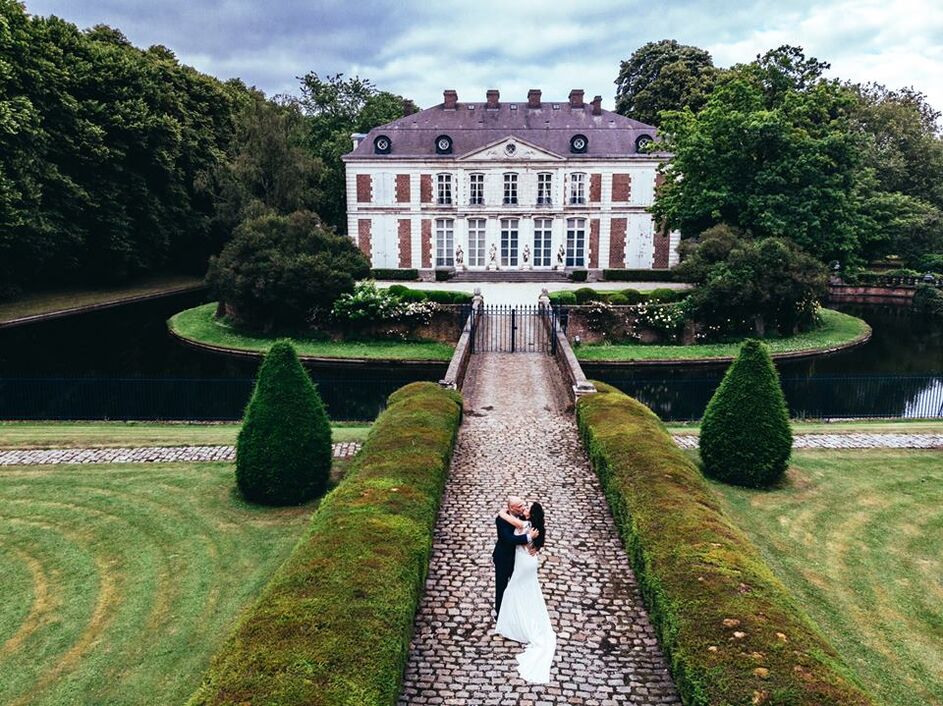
[(473, 126)]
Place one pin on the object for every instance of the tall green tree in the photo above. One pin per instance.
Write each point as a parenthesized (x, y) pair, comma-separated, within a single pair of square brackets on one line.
[(664, 75), (334, 108)]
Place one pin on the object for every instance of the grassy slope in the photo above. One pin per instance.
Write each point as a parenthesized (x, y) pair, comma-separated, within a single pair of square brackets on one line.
[(836, 329), (198, 325), (120, 582), (47, 435), (60, 300), (857, 536)]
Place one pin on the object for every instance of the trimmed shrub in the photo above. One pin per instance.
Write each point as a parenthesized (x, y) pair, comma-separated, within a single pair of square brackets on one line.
[(444, 275), (745, 434), (440, 296), (586, 294), (731, 631), (398, 289), (413, 295), (579, 275), (639, 276), (633, 296), (283, 453), (666, 296), (618, 299), (332, 627), (388, 274), (564, 298)]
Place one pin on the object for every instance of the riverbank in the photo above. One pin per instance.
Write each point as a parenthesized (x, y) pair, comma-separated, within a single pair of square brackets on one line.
[(199, 328), (67, 302), (838, 332)]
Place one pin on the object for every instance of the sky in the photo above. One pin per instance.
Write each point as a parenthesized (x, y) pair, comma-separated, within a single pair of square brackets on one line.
[(417, 48)]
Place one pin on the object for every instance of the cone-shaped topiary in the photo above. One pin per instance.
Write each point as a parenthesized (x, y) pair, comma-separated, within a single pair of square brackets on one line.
[(283, 454), (745, 434)]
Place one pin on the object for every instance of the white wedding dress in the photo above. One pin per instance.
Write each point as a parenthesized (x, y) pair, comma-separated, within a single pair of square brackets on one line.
[(524, 618)]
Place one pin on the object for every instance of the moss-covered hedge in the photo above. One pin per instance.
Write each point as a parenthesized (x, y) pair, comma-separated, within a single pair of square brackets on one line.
[(731, 631), (333, 625)]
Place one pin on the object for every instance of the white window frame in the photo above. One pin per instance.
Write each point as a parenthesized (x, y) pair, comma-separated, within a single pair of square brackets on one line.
[(543, 238), (575, 242), (544, 188), (510, 236), (444, 189), (510, 188), (477, 240), (476, 189), (578, 188), (444, 242)]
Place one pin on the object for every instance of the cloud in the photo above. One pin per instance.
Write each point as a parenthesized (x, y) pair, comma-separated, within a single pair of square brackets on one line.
[(417, 48)]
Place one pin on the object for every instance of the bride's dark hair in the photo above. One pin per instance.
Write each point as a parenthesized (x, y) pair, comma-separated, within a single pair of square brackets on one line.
[(537, 522)]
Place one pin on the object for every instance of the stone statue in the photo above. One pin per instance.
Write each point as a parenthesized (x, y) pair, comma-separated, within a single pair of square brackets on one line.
[(493, 257), (459, 257), (525, 258), (561, 253)]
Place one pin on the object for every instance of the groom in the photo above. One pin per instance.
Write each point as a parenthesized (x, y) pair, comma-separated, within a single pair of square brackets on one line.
[(503, 555)]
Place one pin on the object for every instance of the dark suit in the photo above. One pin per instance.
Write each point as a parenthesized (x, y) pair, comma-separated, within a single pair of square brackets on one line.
[(503, 558)]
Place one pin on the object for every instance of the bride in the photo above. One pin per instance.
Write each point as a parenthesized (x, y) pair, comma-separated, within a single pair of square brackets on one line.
[(523, 615)]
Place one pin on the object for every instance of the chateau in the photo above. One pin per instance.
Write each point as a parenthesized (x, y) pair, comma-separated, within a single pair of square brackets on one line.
[(510, 186)]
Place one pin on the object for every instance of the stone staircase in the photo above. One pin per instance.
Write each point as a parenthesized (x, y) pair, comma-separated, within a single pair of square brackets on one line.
[(510, 276)]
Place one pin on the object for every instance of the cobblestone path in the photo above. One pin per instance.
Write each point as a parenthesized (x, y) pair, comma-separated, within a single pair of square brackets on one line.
[(858, 440), (143, 454), (516, 439)]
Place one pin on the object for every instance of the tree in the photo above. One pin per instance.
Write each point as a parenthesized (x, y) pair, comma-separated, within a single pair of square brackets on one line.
[(745, 435), (283, 453), (664, 75), (334, 108), (284, 272)]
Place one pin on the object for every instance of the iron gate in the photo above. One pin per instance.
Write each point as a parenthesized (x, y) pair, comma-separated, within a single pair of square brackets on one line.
[(513, 329)]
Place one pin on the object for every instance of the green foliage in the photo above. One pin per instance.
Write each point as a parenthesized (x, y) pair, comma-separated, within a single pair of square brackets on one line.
[(578, 275), (633, 296), (744, 285), (718, 610), (405, 275), (563, 298), (663, 75), (928, 301), (618, 299), (370, 305), (641, 276), (584, 295), (745, 433), (332, 628), (666, 296), (283, 453), (931, 263), (284, 272)]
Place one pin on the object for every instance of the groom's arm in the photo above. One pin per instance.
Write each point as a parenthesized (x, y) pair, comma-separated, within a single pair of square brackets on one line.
[(506, 533)]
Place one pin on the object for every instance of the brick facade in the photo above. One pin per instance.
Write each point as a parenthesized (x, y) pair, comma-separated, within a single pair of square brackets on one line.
[(363, 238), (364, 188), (594, 243), (660, 256), (621, 187), (405, 237), (425, 188), (426, 243), (402, 188), (595, 188), (617, 243)]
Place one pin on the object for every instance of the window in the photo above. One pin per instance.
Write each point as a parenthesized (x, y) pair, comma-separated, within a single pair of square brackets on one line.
[(509, 242), (575, 242), (444, 182), (510, 188), (444, 242), (544, 186), (476, 242), (543, 232), (476, 189), (577, 188)]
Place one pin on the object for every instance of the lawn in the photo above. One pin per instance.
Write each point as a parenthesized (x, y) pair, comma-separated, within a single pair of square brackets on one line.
[(837, 329), (199, 325), (857, 536), (119, 582), (76, 298), (48, 435)]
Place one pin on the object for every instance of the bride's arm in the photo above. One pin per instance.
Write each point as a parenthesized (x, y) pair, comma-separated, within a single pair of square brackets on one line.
[(508, 517)]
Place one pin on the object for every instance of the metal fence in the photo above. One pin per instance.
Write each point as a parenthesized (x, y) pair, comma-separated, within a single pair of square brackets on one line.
[(813, 397), (513, 329)]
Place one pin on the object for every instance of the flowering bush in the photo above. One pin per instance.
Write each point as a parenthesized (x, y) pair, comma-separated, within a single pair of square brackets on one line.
[(370, 306), (664, 319)]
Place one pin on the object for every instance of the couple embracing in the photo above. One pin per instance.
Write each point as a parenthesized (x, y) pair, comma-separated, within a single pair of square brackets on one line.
[(519, 605)]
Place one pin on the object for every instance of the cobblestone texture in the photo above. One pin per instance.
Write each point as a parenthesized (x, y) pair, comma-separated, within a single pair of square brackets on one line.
[(144, 454), (517, 440), (846, 441)]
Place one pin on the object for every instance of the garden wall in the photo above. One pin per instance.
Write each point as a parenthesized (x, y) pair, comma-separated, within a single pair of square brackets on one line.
[(730, 629), (332, 627)]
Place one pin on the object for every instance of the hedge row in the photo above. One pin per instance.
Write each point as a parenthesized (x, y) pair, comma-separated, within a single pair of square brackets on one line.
[(731, 631), (640, 276), (388, 274), (586, 295), (333, 625), (440, 296)]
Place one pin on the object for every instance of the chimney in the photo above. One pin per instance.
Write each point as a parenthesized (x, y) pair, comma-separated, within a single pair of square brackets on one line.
[(597, 105), (449, 99), (533, 98), (576, 98), (492, 96)]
